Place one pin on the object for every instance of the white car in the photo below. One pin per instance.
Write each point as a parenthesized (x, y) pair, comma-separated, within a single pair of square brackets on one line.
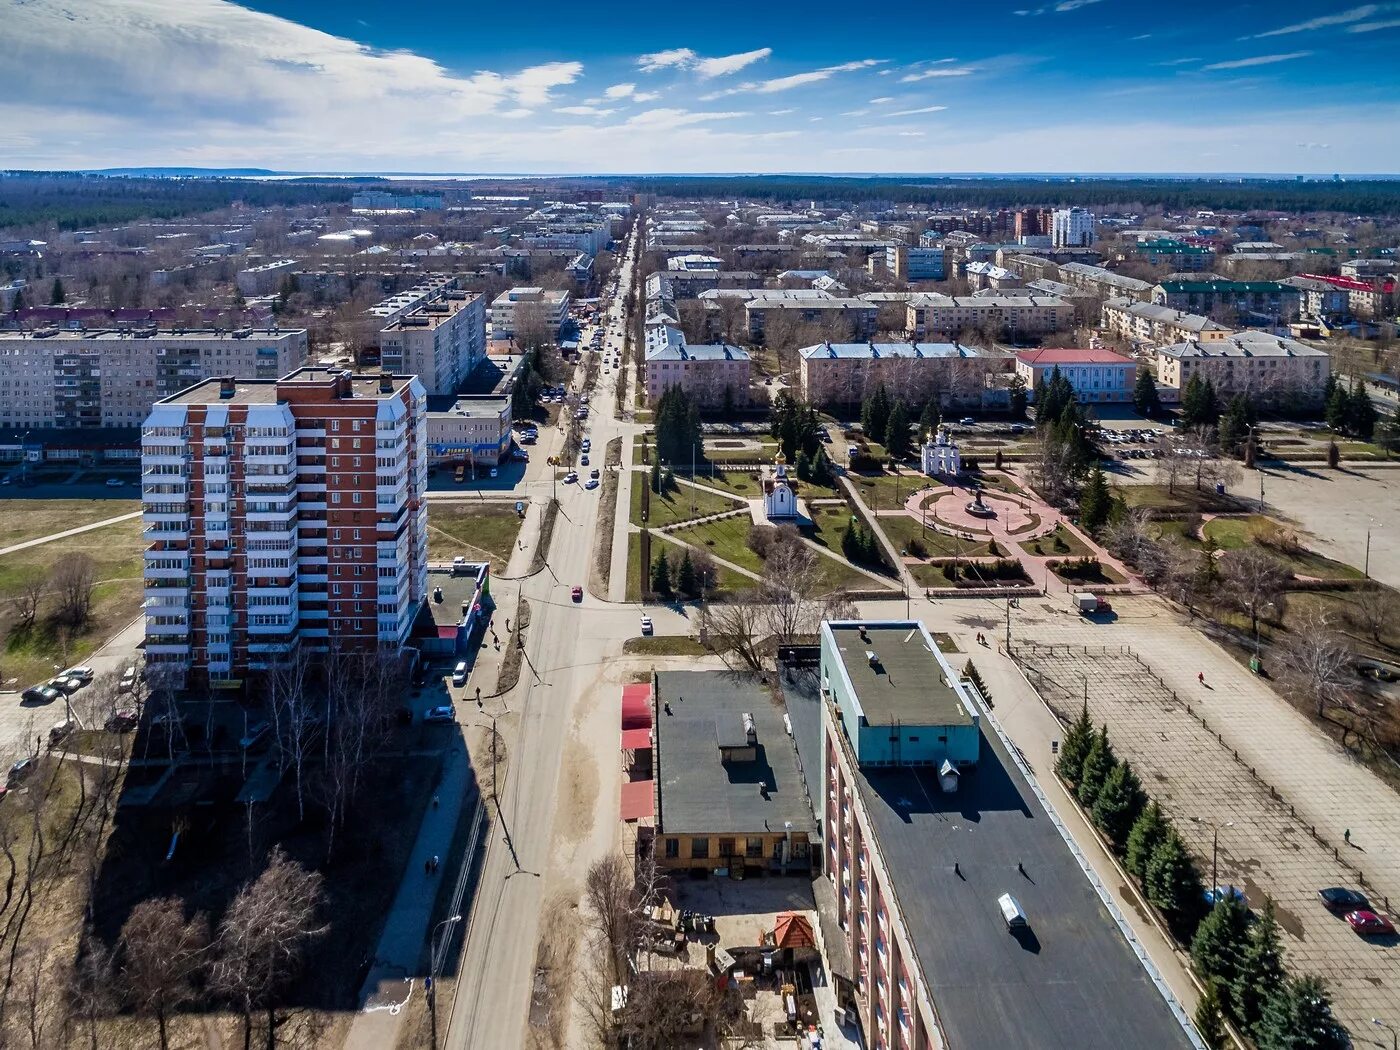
[(646, 625), (591, 483), (459, 674), (459, 561), (440, 714), (115, 483), (570, 477), (83, 674)]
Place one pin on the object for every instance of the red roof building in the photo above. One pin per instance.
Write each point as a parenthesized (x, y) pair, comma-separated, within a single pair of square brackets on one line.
[(1097, 375)]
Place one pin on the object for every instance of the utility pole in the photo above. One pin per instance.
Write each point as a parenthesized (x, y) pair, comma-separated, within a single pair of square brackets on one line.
[(1214, 851), (1008, 626), (432, 974)]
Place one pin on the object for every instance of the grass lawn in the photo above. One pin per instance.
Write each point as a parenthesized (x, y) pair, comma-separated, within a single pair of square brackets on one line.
[(1235, 533), (839, 575), (1100, 574), (727, 539), (664, 645), (1061, 544), (901, 529), (634, 567), (28, 655), (476, 530), (28, 519), (766, 453), (888, 491), (829, 521), (1184, 499), (745, 484), (674, 506)]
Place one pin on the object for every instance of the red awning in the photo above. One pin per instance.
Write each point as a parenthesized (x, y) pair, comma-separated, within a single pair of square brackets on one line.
[(636, 707), (636, 739), (638, 800)]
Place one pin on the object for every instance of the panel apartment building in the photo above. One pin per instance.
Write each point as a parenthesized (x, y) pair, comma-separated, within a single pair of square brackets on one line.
[(933, 315), (111, 378), (928, 819), (283, 513), (441, 340)]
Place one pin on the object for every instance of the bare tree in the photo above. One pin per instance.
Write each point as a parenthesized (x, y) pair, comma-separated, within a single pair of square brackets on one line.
[(73, 579), (1053, 470), (737, 630), (1254, 579), (162, 954), (93, 983), (293, 709), (790, 581), (1316, 658), (262, 938), (28, 598), (1173, 461), (1371, 609)]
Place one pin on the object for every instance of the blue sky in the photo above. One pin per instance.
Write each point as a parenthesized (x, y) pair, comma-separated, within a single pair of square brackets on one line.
[(997, 85)]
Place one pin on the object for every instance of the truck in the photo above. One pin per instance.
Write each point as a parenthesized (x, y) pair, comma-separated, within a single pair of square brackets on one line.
[(1087, 603)]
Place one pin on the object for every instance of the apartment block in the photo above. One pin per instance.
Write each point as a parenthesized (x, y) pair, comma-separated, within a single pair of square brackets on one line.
[(844, 373), (1020, 315), (1372, 297), (1097, 376), (283, 514), (851, 318), (1150, 323), (709, 373), (908, 263), (1320, 298), (1072, 228), (1269, 370), (923, 952), (111, 377), (1105, 282), (441, 340), (1267, 301), (266, 278), (506, 309), (1186, 258)]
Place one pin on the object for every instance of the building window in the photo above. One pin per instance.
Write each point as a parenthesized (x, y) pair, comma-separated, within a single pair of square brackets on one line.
[(753, 847), (673, 848), (699, 849), (726, 847)]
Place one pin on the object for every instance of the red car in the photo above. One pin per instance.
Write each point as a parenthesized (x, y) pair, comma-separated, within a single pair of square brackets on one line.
[(1368, 922), (577, 594)]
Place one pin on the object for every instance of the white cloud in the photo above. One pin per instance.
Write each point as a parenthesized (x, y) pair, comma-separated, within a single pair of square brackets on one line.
[(912, 134), (1341, 18), (780, 112), (645, 96), (1179, 61), (585, 111), (855, 112), (1257, 60), (768, 87), (657, 119), (1372, 27), (723, 66), (930, 74), (881, 100), (620, 91), (675, 58), (1074, 5), (913, 112)]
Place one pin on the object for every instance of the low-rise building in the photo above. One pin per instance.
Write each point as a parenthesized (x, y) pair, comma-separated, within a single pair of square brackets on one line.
[(1372, 297), (928, 819), (910, 263), (472, 430), (932, 315), (984, 276), (851, 318), (1097, 376), (729, 791), (1267, 301), (1320, 298), (1105, 282), (1150, 323), (1268, 369), (265, 278), (711, 374), (840, 374), (1166, 251), (551, 306), (440, 339)]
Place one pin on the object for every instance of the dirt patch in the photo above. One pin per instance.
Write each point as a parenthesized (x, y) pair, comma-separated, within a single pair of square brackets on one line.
[(515, 650), (550, 994), (551, 511), (607, 517), (580, 791)]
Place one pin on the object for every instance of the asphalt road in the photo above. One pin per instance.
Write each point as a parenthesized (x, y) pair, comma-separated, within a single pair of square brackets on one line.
[(493, 995)]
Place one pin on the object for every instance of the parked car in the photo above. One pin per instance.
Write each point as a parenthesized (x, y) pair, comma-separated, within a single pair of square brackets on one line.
[(646, 625), (593, 473), (591, 483), (115, 483), (1221, 893), (59, 730), (127, 683), (440, 714), (570, 477), (39, 694), (83, 674), (1340, 900), (254, 736), (460, 474), (583, 460), (19, 772), (520, 456), (576, 594), (1368, 923), (967, 421), (122, 720), (459, 674), (494, 472)]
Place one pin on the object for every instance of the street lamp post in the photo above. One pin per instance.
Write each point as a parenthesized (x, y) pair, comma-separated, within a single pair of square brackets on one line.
[(1214, 850), (1366, 570), (1394, 1035), (432, 974)]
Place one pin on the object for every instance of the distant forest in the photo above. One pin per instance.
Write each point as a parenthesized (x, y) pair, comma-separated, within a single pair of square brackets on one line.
[(1361, 197), (72, 201)]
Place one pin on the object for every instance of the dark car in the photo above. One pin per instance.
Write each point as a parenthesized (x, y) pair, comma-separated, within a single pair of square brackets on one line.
[(1340, 900), (40, 694)]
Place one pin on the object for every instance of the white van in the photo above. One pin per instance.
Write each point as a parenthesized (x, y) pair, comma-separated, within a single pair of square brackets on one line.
[(459, 674), (1011, 912)]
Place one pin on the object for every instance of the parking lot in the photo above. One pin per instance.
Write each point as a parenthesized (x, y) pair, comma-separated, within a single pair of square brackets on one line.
[(1266, 845)]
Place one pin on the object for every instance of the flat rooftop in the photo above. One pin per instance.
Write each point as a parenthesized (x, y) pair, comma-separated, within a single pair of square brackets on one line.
[(905, 683), (1071, 980), (701, 794), (266, 391), (135, 334)]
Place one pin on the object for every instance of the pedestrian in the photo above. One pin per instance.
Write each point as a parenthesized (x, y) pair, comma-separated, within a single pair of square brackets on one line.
[(1346, 836), (435, 863), (1201, 677), (428, 866), (435, 802)]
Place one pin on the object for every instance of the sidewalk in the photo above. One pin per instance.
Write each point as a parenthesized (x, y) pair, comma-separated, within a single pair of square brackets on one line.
[(396, 974)]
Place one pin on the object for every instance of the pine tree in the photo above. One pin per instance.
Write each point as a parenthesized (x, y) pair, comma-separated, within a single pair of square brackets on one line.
[(1298, 1016), (875, 414), (850, 542), (1019, 398), (1095, 501), (1338, 405), (1148, 832), (1209, 1024), (1098, 764), (1075, 747), (896, 436), (804, 467), (1119, 804), (728, 406), (1260, 970), (821, 468), (1198, 402), (1217, 949), (1236, 422), (1361, 413), (929, 418), (686, 581), (1172, 882), (661, 575), (1145, 398), (656, 476), (57, 296)]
